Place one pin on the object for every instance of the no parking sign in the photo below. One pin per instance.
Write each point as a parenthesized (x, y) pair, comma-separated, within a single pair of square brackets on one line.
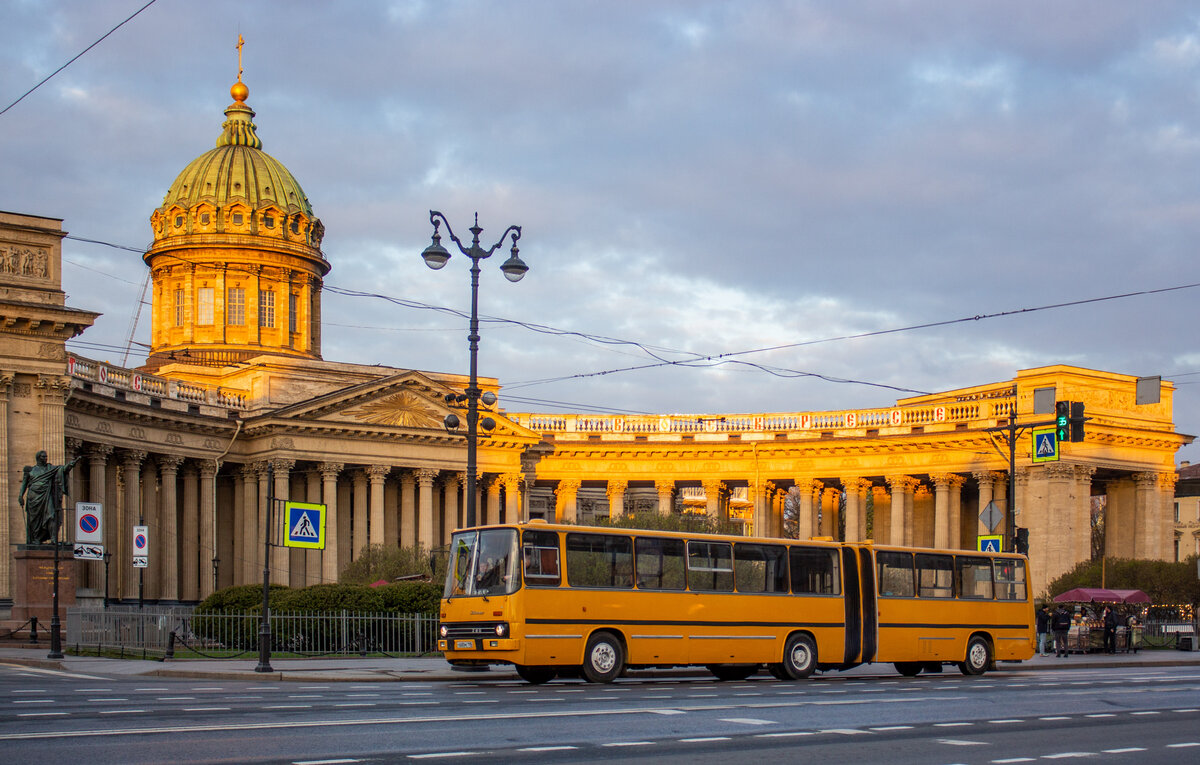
[(89, 522), (141, 545)]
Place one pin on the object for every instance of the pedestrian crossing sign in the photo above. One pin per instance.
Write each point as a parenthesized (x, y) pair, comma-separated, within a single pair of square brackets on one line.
[(990, 542), (1045, 445), (305, 525)]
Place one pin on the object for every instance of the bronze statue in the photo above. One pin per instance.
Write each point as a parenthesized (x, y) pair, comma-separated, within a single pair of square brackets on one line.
[(43, 487)]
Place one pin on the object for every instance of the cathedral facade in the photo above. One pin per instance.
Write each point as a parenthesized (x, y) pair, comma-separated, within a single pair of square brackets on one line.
[(236, 409)]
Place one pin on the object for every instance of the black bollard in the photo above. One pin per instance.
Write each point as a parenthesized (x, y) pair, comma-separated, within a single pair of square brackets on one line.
[(32, 630), (170, 646)]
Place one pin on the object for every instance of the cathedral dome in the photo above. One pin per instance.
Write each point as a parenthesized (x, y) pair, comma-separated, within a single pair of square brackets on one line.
[(237, 188)]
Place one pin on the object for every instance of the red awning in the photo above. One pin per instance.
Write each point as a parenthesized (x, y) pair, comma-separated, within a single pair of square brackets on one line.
[(1089, 595), (1133, 596)]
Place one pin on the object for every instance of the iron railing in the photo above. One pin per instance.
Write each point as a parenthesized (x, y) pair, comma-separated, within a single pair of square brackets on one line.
[(157, 630)]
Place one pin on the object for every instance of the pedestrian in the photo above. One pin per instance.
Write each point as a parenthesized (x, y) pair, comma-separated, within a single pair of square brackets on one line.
[(1110, 630), (1043, 629), (1060, 623)]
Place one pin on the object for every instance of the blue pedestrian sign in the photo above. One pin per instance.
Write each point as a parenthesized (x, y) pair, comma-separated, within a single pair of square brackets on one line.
[(305, 525), (1045, 445), (991, 542)]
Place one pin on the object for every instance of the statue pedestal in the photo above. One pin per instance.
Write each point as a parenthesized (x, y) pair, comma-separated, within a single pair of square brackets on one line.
[(33, 585)]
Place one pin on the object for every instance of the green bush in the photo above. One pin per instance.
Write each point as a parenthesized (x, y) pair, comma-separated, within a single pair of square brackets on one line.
[(375, 562), (243, 597), (1166, 582)]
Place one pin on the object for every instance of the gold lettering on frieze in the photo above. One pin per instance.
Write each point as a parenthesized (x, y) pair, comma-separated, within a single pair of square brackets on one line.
[(403, 409)]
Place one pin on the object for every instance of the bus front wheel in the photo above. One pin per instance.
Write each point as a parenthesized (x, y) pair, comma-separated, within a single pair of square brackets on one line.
[(979, 656), (604, 658), (799, 657), (536, 675)]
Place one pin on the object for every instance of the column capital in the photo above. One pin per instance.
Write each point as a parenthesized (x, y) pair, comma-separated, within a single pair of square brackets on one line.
[(207, 469), (169, 463), (133, 458), (377, 473), (282, 464), (808, 485), (510, 481), (989, 477), (425, 476), (99, 452), (616, 486), (330, 469), (855, 485), (902, 483), (74, 445), (567, 487)]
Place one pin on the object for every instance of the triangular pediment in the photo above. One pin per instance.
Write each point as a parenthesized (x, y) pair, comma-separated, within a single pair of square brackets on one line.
[(407, 401)]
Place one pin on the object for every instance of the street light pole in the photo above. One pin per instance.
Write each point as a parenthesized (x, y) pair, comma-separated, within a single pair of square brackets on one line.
[(436, 256)]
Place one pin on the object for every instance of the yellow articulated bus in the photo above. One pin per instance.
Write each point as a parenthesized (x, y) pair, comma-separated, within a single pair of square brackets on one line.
[(553, 599)]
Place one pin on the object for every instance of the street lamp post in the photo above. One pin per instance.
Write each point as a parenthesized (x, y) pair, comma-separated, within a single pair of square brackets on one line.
[(436, 256)]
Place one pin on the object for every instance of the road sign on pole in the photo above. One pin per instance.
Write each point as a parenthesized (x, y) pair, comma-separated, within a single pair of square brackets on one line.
[(991, 515), (305, 525), (1045, 444), (141, 546), (991, 542), (89, 522)]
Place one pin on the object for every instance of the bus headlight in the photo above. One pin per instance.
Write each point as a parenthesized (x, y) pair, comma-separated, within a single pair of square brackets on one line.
[(443, 630), (501, 628)]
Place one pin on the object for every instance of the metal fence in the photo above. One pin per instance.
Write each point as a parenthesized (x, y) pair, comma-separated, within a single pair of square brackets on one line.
[(127, 629)]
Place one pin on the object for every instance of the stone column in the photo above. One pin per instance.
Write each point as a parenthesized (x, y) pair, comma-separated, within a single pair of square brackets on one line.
[(452, 488), (806, 517), (131, 471), (566, 494), (168, 527), (53, 390), (882, 501), (616, 497), (408, 509), (512, 498), (281, 563), (666, 496), (208, 528), (360, 511), (330, 568), (987, 482), (251, 541), (762, 495), (189, 534), (902, 487), (829, 512), (856, 510), (956, 525), (493, 499), (97, 456), (312, 557), (12, 527), (235, 565), (713, 506), (261, 498), (425, 539), (1082, 510), (376, 474), (941, 510)]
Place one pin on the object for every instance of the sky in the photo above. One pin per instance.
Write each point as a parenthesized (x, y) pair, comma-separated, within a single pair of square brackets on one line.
[(833, 192)]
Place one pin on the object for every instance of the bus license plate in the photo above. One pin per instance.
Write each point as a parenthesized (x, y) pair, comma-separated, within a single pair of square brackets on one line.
[(464, 645)]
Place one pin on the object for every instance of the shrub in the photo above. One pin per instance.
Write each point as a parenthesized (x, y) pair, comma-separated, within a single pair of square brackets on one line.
[(377, 562)]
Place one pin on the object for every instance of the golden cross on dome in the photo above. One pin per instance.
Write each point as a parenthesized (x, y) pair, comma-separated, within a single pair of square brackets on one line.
[(241, 42)]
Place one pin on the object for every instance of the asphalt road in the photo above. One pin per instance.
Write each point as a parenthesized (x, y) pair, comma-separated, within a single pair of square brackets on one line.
[(1111, 715)]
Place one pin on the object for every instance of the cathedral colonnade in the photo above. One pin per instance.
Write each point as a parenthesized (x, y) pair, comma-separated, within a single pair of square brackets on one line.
[(206, 523)]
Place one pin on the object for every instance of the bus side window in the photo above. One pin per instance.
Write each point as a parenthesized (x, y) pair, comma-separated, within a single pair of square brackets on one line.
[(539, 550), (895, 574), (659, 563), (760, 568), (814, 571), (935, 576), (1010, 579), (599, 560), (974, 577), (710, 566)]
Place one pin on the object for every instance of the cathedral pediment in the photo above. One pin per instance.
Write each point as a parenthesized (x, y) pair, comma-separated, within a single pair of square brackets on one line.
[(407, 401)]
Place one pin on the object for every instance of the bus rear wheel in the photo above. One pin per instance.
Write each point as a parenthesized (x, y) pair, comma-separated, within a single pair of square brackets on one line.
[(979, 656), (732, 671), (799, 657), (604, 658), (909, 668), (536, 675)]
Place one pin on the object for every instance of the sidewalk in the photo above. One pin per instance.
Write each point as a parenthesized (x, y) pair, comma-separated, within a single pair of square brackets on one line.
[(435, 669)]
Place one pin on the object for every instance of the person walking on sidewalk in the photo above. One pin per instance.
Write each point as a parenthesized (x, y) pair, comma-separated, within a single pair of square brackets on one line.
[(1060, 623), (1043, 629)]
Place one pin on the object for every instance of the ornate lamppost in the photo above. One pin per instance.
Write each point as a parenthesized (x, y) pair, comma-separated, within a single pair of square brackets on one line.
[(514, 269)]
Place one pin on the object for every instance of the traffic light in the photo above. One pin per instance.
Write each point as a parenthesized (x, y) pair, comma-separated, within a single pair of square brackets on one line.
[(1077, 420), (1062, 421), (1021, 541)]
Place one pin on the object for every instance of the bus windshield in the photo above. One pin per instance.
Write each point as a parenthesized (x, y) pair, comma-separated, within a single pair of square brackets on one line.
[(482, 563)]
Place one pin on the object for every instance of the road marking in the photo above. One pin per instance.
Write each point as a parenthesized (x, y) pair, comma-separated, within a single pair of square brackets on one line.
[(703, 740), (1013, 759), (155, 690), (356, 704), (122, 711), (1057, 717), (844, 731), (206, 709), (547, 748), (433, 755), (1102, 714), (33, 701), (894, 727), (1004, 722), (41, 714), (1126, 750), (176, 698), (108, 699), (29, 690), (288, 706), (960, 742), (1068, 755), (52, 672), (323, 762), (785, 735), (1151, 712), (1183, 745), (952, 725), (629, 743), (747, 721)]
